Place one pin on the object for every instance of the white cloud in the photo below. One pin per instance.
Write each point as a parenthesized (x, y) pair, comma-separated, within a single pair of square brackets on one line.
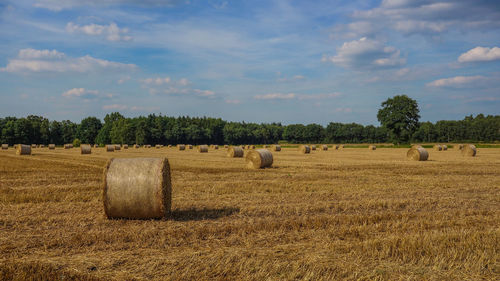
[(275, 96), (234, 101), (458, 81), (480, 54), (123, 80), (156, 81), (59, 5), (85, 94), (183, 82), (112, 32), (366, 53), (115, 107), (319, 96), (293, 78), (343, 109), (289, 96), (204, 93), (31, 60)]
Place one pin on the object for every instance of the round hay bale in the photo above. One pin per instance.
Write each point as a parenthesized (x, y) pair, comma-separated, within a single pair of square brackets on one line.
[(417, 154), (110, 148), (216, 146), (125, 146), (85, 149), (305, 149), (459, 146), (52, 146), (5, 146), (96, 145), (445, 147), (23, 149), (277, 147), (264, 146), (190, 146), (372, 147), (235, 151), (469, 150), (118, 147), (313, 147), (33, 145), (324, 147), (259, 158), (137, 188), (181, 146), (157, 146), (136, 146), (203, 148), (226, 146), (169, 146), (41, 146), (68, 146), (438, 147)]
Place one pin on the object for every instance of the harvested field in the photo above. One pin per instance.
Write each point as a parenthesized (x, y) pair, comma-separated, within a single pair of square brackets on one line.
[(336, 214)]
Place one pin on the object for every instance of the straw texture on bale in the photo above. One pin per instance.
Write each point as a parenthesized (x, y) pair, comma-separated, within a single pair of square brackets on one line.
[(23, 149), (259, 158), (52, 146), (438, 147), (277, 148), (313, 147), (181, 146), (416, 146), (85, 149), (125, 146), (137, 188), (305, 149), (445, 147), (235, 151), (203, 148), (372, 147), (5, 146), (417, 154), (324, 147), (118, 147), (110, 148), (469, 150)]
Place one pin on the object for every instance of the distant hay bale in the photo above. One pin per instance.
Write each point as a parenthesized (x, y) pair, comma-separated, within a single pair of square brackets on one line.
[(23, 149), (157, 146), (417, 154), (469, 150), (118, 147), (216, 146), (313, 147), (460, 146), (181, 146), (41, 146), (324, 147), (339, 146), (85, 149), (445, 147), (137, 188), (260, 158), (277, 147), (226, 146), (5, 146), (203, 148), (372, 147), (52, 146), (33, 145), (190, 146), (68, 146), (264, 146), (235, 151), (169, 146), (438, 147), (110, 148), (96, 145), (136, 146), (305, 149), (125, 146)]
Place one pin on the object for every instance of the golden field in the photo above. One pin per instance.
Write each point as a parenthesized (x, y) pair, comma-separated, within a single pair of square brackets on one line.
[(348, 214)]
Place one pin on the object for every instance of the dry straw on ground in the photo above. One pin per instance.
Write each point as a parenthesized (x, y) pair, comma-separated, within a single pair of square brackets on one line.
[(259, 158), (203, 148), (85, 149), (324, 147), (5, 146), (469, 150), (137, 188), (339, 147), (417, 154), (110, 148), (305, 149), (277, 147), (23, 149), (235, 151), (181, 147), (52, 146), (438, 147)]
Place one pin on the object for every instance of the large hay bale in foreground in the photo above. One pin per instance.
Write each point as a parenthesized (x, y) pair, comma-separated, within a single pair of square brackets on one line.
[(469, 150), (110, 148), (277, 147), (181, 146), (203, 148), (438, 147), (52, 146), (137, 188), (445, 147), (417, 154), (5, 146), (235, 151), (324, 147), (372, 147), (305, 149), (260, 158), (85, 149), (23, 149)]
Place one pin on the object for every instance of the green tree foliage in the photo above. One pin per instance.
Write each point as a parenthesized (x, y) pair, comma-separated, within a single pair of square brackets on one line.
[(400, 116), (88, 130)]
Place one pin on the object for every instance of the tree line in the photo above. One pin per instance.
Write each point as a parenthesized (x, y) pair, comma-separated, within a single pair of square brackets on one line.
[(159, 129)]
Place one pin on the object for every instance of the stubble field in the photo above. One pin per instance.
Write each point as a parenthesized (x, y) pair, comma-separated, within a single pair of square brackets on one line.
[(340, 214)]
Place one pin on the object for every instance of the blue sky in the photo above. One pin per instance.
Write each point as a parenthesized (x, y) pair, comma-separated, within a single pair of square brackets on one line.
[(254, 61)]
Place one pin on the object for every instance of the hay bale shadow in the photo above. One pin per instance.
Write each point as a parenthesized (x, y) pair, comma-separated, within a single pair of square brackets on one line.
[(203, 214)]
